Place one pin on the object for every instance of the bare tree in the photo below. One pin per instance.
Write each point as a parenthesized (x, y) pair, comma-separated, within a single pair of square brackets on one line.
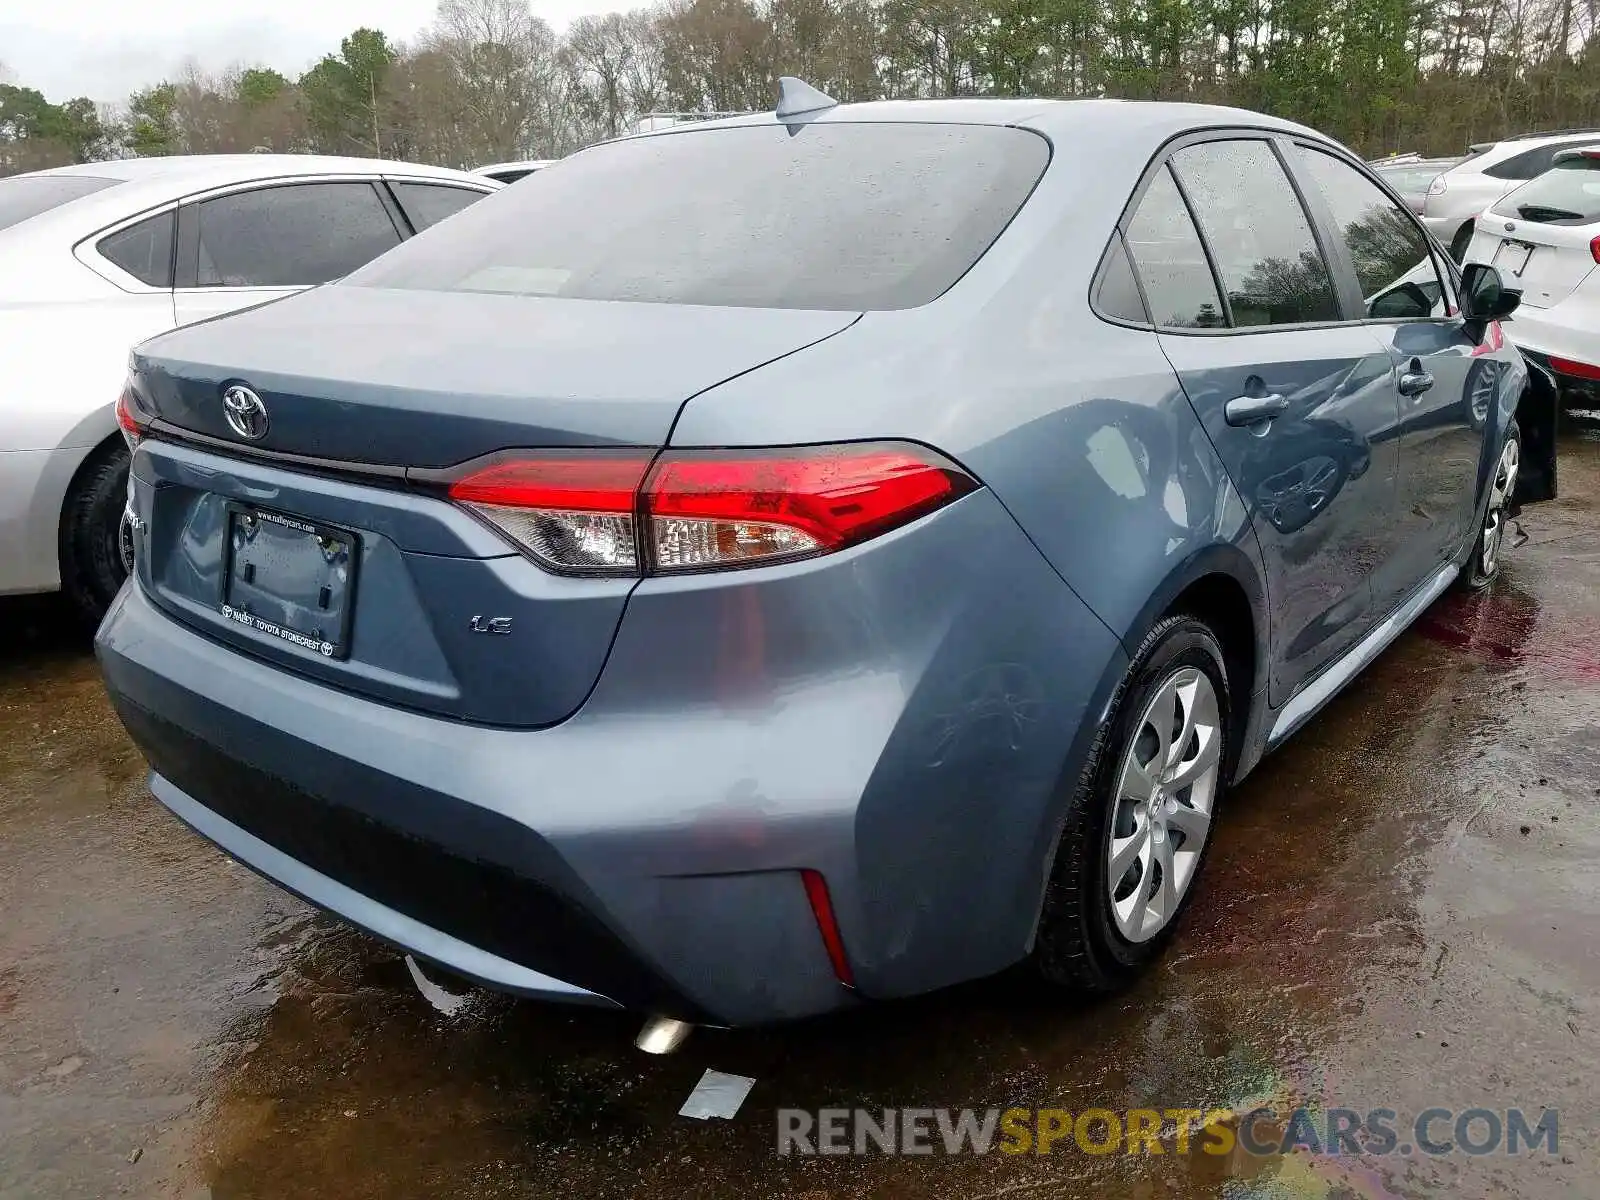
[(504, 68)]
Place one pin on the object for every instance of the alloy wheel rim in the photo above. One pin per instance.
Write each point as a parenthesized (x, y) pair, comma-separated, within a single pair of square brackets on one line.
[(1161, 811), (1500, 494), (125, 542)]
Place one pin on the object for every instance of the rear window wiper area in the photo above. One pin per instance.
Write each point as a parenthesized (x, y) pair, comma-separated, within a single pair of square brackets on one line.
[(1545, 214)]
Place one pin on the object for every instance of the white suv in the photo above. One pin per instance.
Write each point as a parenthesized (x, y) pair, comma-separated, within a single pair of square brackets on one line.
[(1465, 190), (1544, 238)]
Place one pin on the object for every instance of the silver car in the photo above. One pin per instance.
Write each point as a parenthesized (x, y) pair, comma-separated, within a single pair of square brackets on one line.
[(101, 256)]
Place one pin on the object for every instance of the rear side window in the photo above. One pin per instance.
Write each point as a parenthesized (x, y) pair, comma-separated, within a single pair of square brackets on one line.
[(143, 250), (1259, 236), (1117, 294), (1567, 194), (427, 204), (837, 216), (1393, 262), (1533, 162), (292, 236), (24, 196), (1171, 261)]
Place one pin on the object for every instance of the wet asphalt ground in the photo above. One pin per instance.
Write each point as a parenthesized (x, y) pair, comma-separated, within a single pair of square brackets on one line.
[(1402, 910)]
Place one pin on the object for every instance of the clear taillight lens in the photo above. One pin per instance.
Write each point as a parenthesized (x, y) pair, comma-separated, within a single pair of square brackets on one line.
[(1437, 186), (592, 513), (572, 511)]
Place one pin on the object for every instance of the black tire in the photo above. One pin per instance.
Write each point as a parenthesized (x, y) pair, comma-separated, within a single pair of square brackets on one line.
[(92, 564), (1461, 242), (1078, 945), (1488, 548)]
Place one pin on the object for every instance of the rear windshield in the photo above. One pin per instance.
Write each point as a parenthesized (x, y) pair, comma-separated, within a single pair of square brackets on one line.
[(1567, 194), (24, 196), (1413, 179), (841, 216)]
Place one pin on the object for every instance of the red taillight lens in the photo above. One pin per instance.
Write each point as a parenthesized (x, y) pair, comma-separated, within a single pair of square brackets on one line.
[(719, 508), (572, 511), (597, 512), (129, 418), (1594, 249), (1571, 366)]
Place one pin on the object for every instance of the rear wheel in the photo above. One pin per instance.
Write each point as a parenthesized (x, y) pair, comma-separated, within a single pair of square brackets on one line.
[(1138, 827), (1461, 243), (93, 536), (1484, 564)]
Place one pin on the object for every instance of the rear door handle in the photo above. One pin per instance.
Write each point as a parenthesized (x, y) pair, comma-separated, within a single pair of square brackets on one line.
[(1414, 383), (1252, 410)]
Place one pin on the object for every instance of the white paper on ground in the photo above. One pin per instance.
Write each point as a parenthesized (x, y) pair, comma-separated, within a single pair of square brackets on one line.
[(447, 1003), (717, 1095)]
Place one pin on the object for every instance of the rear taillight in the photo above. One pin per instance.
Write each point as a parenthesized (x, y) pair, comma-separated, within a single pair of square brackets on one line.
[(695, 510), (129, 418), (571, 511), (1437, 186), (1594, 249)]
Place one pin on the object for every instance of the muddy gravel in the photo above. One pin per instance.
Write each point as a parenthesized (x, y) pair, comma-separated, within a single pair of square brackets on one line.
[(1402, 910)]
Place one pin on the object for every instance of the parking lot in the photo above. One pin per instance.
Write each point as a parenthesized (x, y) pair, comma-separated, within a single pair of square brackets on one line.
[(1400, 912)]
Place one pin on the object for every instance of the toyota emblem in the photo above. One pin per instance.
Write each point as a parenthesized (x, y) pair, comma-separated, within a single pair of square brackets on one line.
[(247, 416)]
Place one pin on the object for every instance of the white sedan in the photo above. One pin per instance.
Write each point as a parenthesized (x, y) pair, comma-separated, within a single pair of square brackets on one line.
[(96, 258), (1545, 239)]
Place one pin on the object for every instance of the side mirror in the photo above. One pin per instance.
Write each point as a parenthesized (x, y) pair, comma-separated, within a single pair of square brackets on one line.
[(1484, 297)]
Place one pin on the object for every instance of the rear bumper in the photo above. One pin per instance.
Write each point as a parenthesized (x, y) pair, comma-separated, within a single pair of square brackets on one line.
[(899, 717), (1570, 330)]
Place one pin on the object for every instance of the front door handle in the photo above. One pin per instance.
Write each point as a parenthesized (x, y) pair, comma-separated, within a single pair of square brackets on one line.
[(1252, 410), (1415, 381)]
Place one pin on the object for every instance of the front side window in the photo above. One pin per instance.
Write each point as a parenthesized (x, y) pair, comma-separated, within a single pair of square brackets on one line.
[(841, 216), (295, 235), (143, 250), (1393, 262), (1171, 260), (1259, 235)]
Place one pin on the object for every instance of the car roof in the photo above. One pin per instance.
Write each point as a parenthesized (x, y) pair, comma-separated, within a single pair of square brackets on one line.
[(144, 183), (1412, 164), (531, 164), (1510, 146), (221, 169), (1109, 119)]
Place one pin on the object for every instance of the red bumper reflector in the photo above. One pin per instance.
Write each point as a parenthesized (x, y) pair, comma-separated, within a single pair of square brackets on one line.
[(1571, 366), (822, 910)]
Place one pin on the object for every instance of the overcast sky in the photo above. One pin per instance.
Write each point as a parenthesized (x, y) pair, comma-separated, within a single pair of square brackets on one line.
[(104, 49)]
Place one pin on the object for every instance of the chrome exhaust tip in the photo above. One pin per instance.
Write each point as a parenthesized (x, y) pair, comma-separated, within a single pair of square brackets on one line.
[(662, 1035)]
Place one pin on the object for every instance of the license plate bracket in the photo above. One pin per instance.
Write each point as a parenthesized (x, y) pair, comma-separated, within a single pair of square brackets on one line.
[(290, 579), (1513, 256)]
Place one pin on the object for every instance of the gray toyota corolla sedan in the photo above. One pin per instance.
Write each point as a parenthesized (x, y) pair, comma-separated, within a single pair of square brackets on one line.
[(817, 556)]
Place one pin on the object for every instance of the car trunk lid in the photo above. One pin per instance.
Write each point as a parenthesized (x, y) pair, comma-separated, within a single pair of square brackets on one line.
[(431, 379), (314, 546)]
